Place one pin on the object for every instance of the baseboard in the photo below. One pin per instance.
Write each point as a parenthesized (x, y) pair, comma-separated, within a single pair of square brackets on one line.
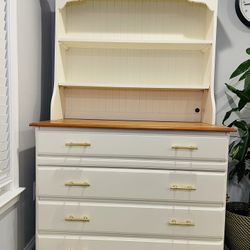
[(30, 245)]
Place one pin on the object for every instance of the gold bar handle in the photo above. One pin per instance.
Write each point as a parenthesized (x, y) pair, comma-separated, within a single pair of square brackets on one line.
[(72, 144), (176, 187), (77, 184), (178, 147), (187, 223), (83, 219)]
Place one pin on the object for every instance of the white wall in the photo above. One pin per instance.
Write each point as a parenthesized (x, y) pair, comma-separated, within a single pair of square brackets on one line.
[(29, 62), (8, 230), (232, 41)]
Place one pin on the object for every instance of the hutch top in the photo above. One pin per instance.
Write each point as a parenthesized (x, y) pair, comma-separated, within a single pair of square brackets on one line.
[(147, 60)]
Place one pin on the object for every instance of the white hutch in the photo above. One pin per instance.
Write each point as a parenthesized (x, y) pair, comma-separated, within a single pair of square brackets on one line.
[(131, 159)]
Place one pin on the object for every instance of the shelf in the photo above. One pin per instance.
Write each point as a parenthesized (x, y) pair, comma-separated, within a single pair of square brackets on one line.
[(135, 60), (132, 86), (144, 125), (188, 44), (211, 4)]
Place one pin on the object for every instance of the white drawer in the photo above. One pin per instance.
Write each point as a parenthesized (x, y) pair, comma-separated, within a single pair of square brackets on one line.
[(129, 184), (130, 219), (47, 242), (128, 144)]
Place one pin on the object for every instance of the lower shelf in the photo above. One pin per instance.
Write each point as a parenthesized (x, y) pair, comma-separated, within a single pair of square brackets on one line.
[(128, 104)]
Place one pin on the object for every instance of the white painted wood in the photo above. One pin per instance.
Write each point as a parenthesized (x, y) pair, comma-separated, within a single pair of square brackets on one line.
[(61, 3), (109, 218), (13, 77), (185, 44), (122, 188), (137, 66), (123, 87), (128, 104), (211, 4), (131, 163), (66, 242), (4, 100), (150, 145), (134, 60), (9, 131), (124, 44), (209, 114), (9, 199), (125, 184), (138, 17)]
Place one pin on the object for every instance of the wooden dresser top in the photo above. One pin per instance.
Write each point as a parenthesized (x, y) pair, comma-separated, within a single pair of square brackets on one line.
[(141, 125)]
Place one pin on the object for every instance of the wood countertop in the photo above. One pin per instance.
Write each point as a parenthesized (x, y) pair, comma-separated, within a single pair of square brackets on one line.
[(141, 125)]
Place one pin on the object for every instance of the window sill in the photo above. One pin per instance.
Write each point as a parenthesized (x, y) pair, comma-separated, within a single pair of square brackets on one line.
[(9, 199)]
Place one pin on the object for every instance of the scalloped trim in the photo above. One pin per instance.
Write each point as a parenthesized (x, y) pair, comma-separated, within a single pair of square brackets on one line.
[(211, 4), (62, 3)]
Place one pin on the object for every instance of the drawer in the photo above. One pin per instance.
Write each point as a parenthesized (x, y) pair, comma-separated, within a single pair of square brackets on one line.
[(110, 143), (47, 242), (130, 184), (130, 219)]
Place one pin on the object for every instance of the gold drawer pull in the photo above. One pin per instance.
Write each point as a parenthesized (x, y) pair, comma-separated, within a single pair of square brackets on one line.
[(182, 187), (178, 147), (71, 144), (187, 223), (77, 184), (77, 219)]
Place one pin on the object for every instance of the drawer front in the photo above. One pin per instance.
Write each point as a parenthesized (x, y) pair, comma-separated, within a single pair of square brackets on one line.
[(129, 184), (101, 218), (96, 143), (112, 243)]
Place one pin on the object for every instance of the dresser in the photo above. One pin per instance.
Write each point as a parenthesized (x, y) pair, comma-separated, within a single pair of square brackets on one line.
[(132, 158), (130, 185)]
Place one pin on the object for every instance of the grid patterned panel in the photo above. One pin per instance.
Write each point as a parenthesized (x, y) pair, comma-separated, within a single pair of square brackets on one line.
[(4, 101)]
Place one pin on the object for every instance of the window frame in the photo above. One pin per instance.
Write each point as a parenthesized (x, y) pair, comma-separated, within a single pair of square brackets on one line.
[(11, 196)]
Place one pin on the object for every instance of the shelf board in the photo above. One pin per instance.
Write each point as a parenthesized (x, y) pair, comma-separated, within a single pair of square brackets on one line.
[(144, 125), (131, 86), (184, 44)]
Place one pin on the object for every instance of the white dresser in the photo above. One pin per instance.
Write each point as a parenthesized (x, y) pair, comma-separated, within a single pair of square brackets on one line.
[(114, 184), (130, 189)]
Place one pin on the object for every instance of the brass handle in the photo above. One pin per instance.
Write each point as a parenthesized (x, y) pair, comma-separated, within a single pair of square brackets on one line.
[(83, 219), (77, 184), (182, 187), (178, 147), (187, 223), (71, 144)]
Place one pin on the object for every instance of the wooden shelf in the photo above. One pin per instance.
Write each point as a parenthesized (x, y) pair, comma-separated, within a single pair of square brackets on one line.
[(146, 125), (132, 86), (152, 60), (185, 44)]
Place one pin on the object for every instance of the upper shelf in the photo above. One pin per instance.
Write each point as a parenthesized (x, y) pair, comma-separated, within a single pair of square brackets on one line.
[(133, 86), (137, 19), (211, 4), (185, 44)]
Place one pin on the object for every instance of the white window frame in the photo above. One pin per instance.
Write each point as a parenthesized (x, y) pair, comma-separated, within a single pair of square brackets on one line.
[(12, 195)]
